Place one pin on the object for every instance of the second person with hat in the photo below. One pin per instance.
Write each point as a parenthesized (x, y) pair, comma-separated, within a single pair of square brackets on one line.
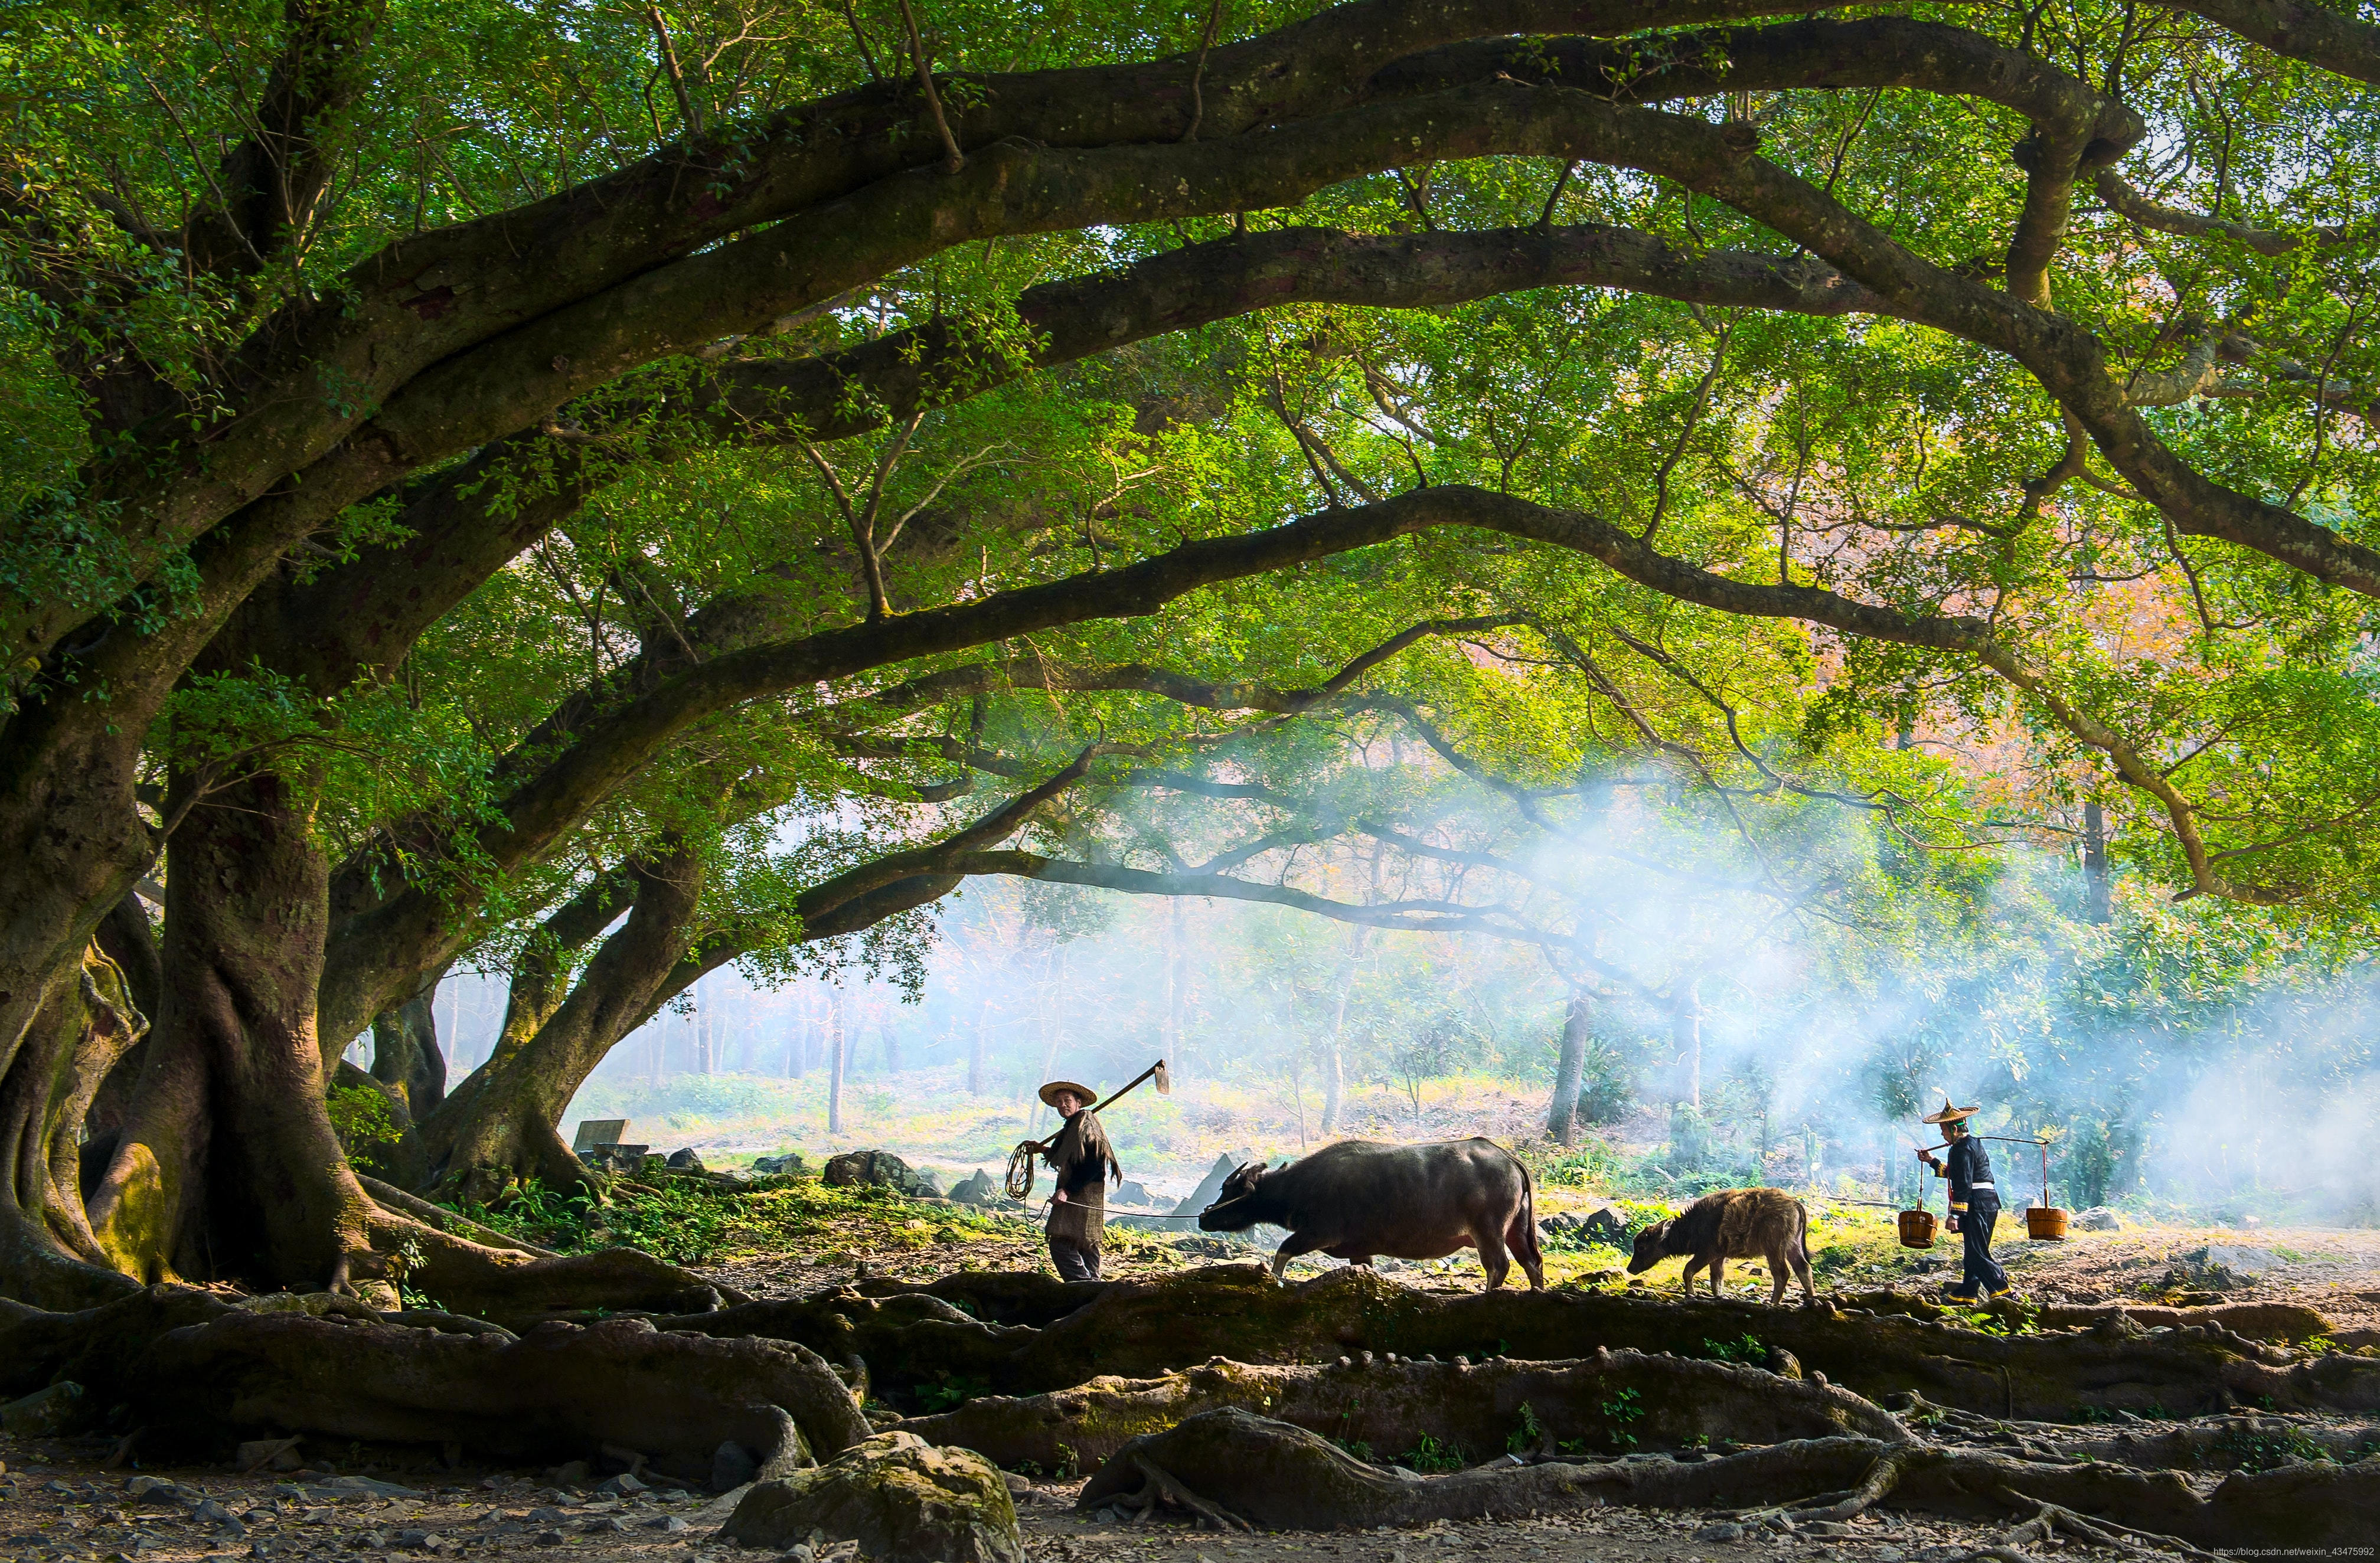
[(1975, 1204)]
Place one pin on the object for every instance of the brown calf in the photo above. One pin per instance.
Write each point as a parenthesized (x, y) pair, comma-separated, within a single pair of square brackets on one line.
[(1733, 1224)]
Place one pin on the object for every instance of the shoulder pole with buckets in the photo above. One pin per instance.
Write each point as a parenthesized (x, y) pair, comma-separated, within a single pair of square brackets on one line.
[(2043, 1222), (1021, 1160)]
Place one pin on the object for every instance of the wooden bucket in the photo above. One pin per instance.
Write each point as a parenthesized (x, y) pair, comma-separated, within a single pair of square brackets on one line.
[(2044, 1223), (1917, 1229)]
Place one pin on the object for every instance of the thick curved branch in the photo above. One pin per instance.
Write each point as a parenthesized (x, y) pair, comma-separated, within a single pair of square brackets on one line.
[(2335, 39), (2128, 201)]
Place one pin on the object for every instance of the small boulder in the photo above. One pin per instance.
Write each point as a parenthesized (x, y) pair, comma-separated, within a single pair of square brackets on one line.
[(2098, 1218), (930, 1183), (732, 1465), (788, 1165), (902, 1499), (877, 1168), (977, 1188), (1134, 1192), (684, 1162)]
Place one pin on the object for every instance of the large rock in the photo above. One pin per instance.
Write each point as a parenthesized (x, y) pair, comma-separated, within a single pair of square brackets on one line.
[(1211, 1185), (977, 1188), (902, 1499), (880, 1167), (2098, 1218)]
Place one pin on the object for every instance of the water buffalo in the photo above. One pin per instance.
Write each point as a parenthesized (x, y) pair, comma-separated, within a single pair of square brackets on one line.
[(1359, 1198), (1733, 1224)]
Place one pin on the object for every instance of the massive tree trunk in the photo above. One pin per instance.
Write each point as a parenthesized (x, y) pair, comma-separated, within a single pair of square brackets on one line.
[(1570, 1069), (49, 1254), (406, 1055), (502, 1124), (228, 1165)]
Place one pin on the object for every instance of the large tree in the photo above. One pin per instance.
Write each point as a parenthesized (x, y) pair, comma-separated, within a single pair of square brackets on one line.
[(330, 327)]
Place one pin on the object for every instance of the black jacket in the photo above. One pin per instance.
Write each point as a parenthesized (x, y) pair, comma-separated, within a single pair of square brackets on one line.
[(1967, 1165)]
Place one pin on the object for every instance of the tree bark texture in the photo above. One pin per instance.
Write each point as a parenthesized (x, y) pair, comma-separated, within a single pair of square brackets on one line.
[(49, 1253), (228, 1166), (502, 1124), (406, 1055), (1654, 1402), (1570, 1070), (1142, 1329), (1283, 1477), (199, 1372)]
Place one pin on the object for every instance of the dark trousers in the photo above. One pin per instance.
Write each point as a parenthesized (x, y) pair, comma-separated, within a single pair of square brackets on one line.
[(1984, 1274), (1074, 1262)]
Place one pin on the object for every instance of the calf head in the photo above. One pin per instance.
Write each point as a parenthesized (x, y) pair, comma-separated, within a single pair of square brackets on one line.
[(1235, 1209), (1652, 1247)]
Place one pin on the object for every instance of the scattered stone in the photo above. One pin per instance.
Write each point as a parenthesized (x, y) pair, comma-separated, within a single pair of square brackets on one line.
[(625, 1482), (44, 1413), (367, 1486), (878, 1169), (611, 1524), (150, 1489), (1720, 1533), (902, 1499), (788, 1165), (549, 1538), (668, 1523), (2098, 1218), (733, 1465), (547, 1515), (412, 1538)]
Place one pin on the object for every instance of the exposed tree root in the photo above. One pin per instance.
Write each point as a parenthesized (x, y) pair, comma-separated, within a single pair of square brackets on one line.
[(1144, 1329), (1161, 1488), (196, 1370), (519, 1289), (1610, 1400), (389, 1197), (2241, 1440), (1285, 1477), (2244, 1328)]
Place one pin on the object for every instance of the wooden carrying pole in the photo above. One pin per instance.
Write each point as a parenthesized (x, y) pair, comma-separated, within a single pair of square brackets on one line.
[(1021, 1160)]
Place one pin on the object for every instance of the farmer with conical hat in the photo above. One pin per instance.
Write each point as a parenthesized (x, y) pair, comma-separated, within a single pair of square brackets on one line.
[(1975, 1204), (1083, 1162)]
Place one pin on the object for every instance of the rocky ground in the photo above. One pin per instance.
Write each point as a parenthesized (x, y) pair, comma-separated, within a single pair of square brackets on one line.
[(59, 1503)]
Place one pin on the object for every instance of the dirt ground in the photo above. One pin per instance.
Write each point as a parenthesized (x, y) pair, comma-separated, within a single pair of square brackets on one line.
[(58, 1504)]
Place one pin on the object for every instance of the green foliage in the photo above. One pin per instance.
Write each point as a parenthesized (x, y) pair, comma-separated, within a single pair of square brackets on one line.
[(1431, 1457), (1527, 1435), (950, 1391), (1749, 1349), (2267, 1448), (1620, 1412), (365, 1126)]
